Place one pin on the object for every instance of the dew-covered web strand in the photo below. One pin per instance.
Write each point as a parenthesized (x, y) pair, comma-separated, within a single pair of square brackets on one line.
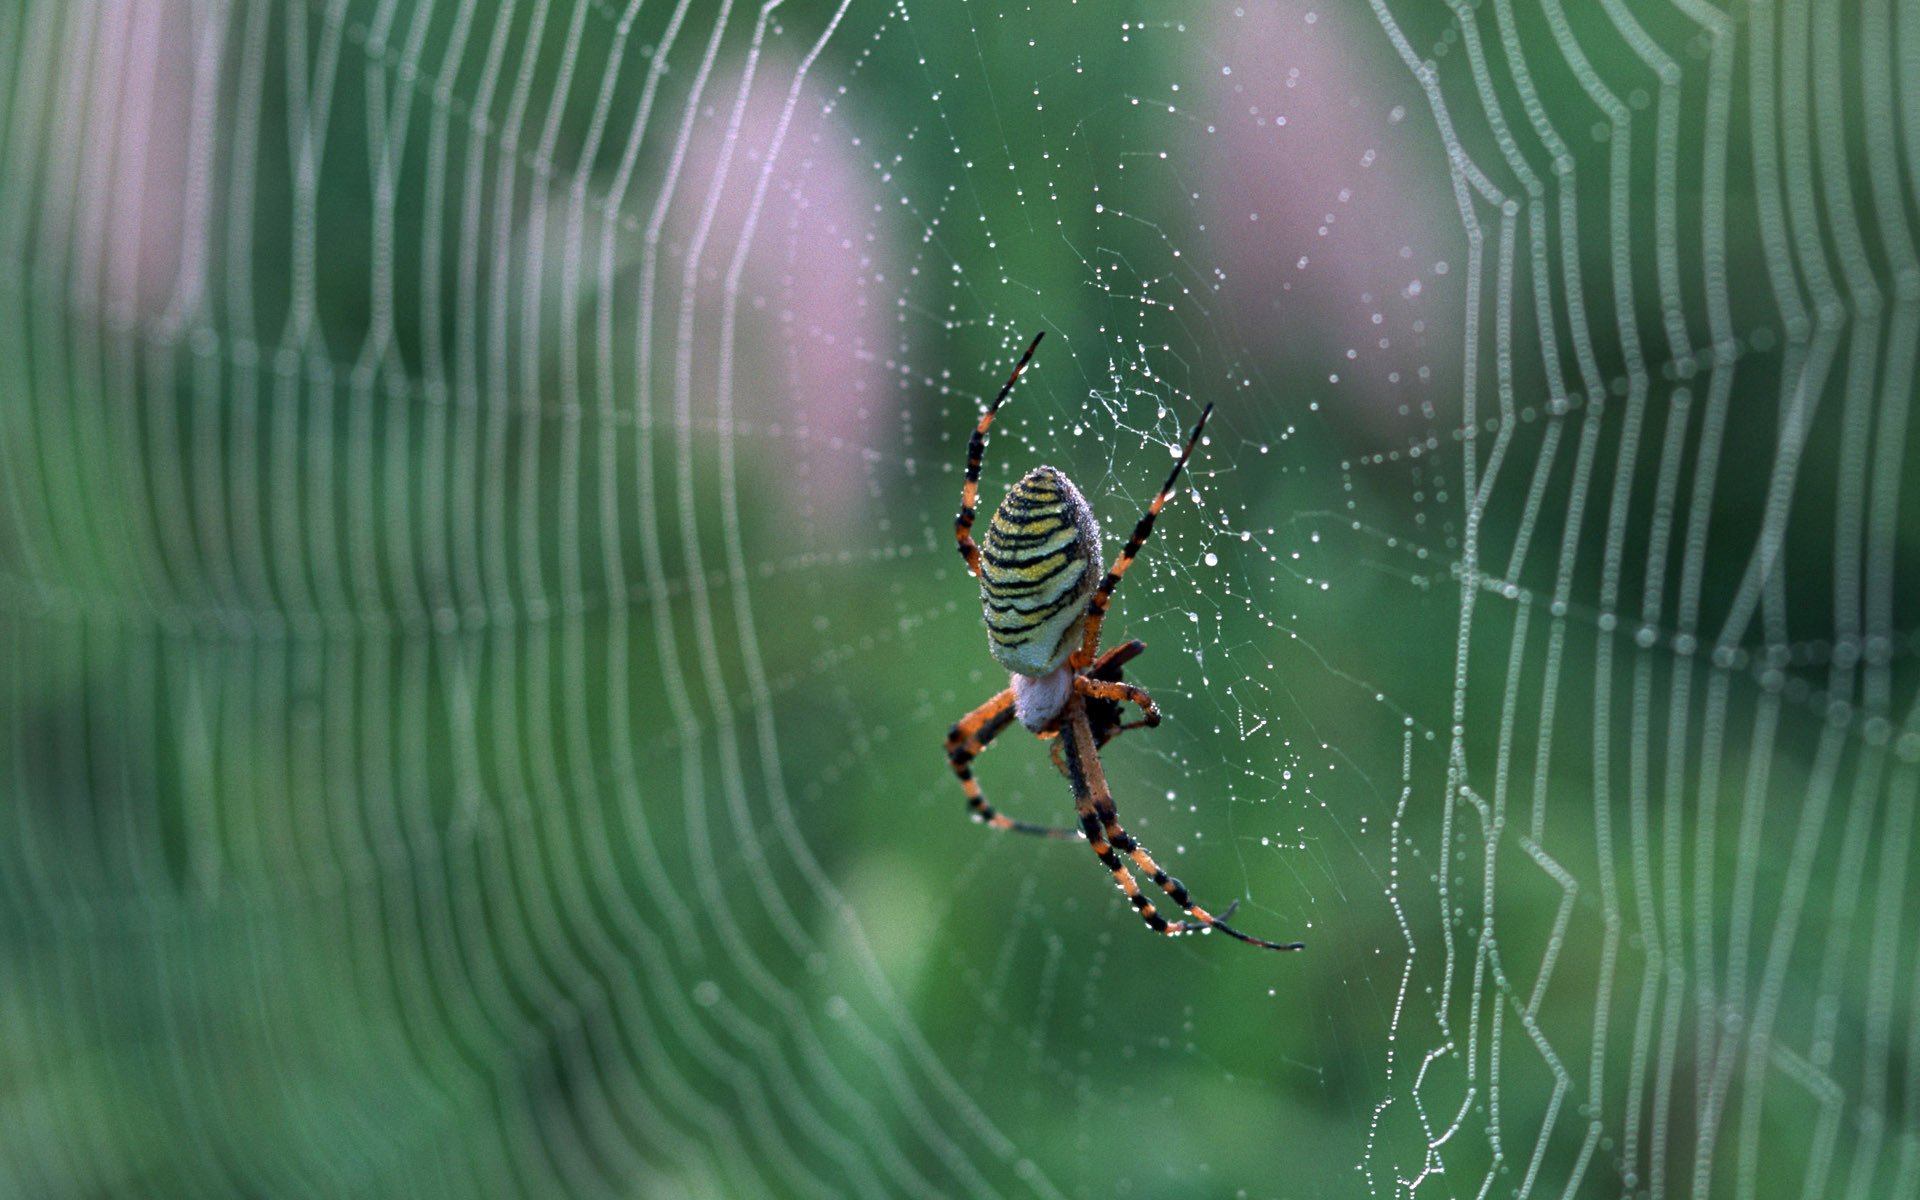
[(1621, 241), (594, 844), (1677, 734), (492, 547), (1883, 150), (568, 955), (1856, 416), (792, 840), (1780, 156), (716, 905), (1792, 233), (737, 1025)]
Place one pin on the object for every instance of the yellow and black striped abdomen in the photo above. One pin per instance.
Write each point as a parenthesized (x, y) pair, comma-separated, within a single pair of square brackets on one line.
[(1039, 561)]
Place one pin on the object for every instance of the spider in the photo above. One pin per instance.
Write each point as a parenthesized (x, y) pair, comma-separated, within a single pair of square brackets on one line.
[(1043, 614)]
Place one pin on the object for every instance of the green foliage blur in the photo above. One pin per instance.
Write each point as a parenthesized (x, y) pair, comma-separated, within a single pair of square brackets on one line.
[(481, 614)]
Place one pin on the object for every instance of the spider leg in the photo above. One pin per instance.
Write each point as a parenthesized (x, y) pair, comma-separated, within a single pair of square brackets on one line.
[(1100, 740), (976, 453), (1103, 595), (1106, 721), (1094, 803), (1116, 691), (965, 741), (1108, 666)]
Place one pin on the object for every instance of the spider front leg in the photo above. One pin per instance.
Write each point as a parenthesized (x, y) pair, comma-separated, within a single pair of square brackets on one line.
[(1119, 693), (1098, 817), (976, 454), (965, 741), (1103, 595)]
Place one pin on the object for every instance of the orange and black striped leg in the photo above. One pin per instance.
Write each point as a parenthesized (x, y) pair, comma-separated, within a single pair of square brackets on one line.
[(1103, 595), (1104, 713), (1089, 782), (976, 454), (1101, 689), (1101, 737), (1094, 803), (1109, 665), (965, 741)]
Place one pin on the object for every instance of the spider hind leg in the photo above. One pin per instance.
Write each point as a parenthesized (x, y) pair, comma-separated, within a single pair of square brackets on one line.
[(968, 738), (1101, 823)]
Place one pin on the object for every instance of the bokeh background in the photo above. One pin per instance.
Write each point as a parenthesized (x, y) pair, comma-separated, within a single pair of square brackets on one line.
[(480, 616)]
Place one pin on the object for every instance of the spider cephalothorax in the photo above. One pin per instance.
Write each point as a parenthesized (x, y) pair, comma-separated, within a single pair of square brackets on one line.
[(1037, 567)]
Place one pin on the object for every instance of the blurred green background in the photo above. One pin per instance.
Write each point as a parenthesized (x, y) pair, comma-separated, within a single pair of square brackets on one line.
[(480, 614)]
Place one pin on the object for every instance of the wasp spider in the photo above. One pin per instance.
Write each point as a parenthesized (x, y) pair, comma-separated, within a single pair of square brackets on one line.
[(1037, 566)]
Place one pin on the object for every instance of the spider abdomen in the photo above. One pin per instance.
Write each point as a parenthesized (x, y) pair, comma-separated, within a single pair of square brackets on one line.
[(1038, 563)]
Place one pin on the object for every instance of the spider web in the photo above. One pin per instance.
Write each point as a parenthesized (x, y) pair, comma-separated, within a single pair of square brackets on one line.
[(480, 611)]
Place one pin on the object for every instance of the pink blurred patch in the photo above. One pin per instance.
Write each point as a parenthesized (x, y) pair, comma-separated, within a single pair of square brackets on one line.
[(134, 190), (1326, 189), (814, 286)]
